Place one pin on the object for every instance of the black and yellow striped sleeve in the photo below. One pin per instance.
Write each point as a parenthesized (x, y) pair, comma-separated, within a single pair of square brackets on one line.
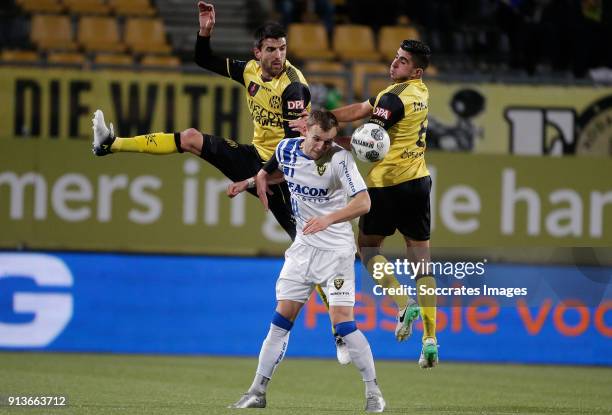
[(388, 111)]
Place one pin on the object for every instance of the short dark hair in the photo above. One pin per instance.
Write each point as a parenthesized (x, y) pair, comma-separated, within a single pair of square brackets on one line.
[(324, 119), (420, 52), (268, 30)]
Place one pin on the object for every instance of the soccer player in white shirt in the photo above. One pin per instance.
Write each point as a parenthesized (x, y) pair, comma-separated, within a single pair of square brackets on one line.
[(327, 191)]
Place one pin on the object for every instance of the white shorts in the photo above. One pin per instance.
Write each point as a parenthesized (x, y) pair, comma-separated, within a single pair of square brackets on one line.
[(305, 266)]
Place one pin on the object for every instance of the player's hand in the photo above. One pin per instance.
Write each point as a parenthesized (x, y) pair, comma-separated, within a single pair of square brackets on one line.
[(299, 124), (316, 224), (234, 189), (263, 190), (207, 18)]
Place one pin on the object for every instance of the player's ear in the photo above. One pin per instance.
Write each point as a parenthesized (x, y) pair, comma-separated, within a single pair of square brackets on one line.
[(257, 53), (418, 72)]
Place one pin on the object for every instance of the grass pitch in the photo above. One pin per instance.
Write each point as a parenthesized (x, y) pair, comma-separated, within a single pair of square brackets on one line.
[(135, 384)]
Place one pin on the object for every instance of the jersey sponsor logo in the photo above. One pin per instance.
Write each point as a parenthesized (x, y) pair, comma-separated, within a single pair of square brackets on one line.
[(412, 154), (275, 102), (295, 105), (264, 117), (307, 190), (253, 88), (419, 106), (338, 283), (382, 113)]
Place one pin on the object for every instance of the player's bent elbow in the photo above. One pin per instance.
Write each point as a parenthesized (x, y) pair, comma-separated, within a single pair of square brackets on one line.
[(366, 209)]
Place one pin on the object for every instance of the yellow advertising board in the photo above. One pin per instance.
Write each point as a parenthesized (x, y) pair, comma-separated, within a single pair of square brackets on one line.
[(471, 117), (58, 104), (57, 195), (520, 119)]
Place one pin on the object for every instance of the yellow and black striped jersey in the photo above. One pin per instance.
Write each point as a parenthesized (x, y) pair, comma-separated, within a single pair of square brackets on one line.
[(272, 104), (402, 110)]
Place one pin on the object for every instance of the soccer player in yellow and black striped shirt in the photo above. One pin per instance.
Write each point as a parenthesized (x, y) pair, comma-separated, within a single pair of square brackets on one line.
[(276, 92), (400, 185)]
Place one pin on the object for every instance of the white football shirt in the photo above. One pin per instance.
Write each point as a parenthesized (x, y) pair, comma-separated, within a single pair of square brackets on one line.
[(319, 187)]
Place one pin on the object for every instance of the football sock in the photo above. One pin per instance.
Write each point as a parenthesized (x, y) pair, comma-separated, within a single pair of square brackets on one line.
[(388, 280), (361, 354), (259, 385), (272, 352), (156, 143), (371, 386), (427, 303)]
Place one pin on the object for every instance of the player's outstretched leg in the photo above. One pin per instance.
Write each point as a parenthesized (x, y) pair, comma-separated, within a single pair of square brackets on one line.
[(427, 303), (405, 319), (103, 136), (362, 358), (271, 354), (105, 142), (429, 354)]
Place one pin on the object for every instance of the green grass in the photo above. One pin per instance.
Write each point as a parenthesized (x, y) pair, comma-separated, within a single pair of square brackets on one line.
[(126, 384)]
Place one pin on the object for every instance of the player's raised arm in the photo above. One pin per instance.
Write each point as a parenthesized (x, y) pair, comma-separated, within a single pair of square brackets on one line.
[(206, 18), (204, 56), (299, 124), (389, 110), (353, 112)]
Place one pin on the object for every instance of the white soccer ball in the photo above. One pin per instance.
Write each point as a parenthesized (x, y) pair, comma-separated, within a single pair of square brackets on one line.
[(370, 142)]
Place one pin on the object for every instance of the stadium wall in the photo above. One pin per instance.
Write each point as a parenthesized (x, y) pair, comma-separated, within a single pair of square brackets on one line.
[(76, 302)]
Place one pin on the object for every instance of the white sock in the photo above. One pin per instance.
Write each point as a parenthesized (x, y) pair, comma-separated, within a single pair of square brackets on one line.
[(272, 352), (361, 356), (259, 385)]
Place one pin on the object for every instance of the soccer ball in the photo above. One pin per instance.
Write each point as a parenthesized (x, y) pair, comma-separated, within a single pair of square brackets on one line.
[(370, 142)]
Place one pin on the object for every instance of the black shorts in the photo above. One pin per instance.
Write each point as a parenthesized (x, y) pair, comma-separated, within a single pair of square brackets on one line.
[(239, 162), (404, 207)]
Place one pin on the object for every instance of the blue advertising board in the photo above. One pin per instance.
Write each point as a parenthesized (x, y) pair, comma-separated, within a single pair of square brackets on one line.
[(82, 302)]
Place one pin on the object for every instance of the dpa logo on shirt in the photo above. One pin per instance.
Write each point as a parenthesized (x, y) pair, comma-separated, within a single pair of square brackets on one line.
[(381, 112), (295, 105)]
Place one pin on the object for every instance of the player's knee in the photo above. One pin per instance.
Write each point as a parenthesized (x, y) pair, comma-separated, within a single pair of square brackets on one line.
[(369, 241), (288, 309), (192, 141)]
